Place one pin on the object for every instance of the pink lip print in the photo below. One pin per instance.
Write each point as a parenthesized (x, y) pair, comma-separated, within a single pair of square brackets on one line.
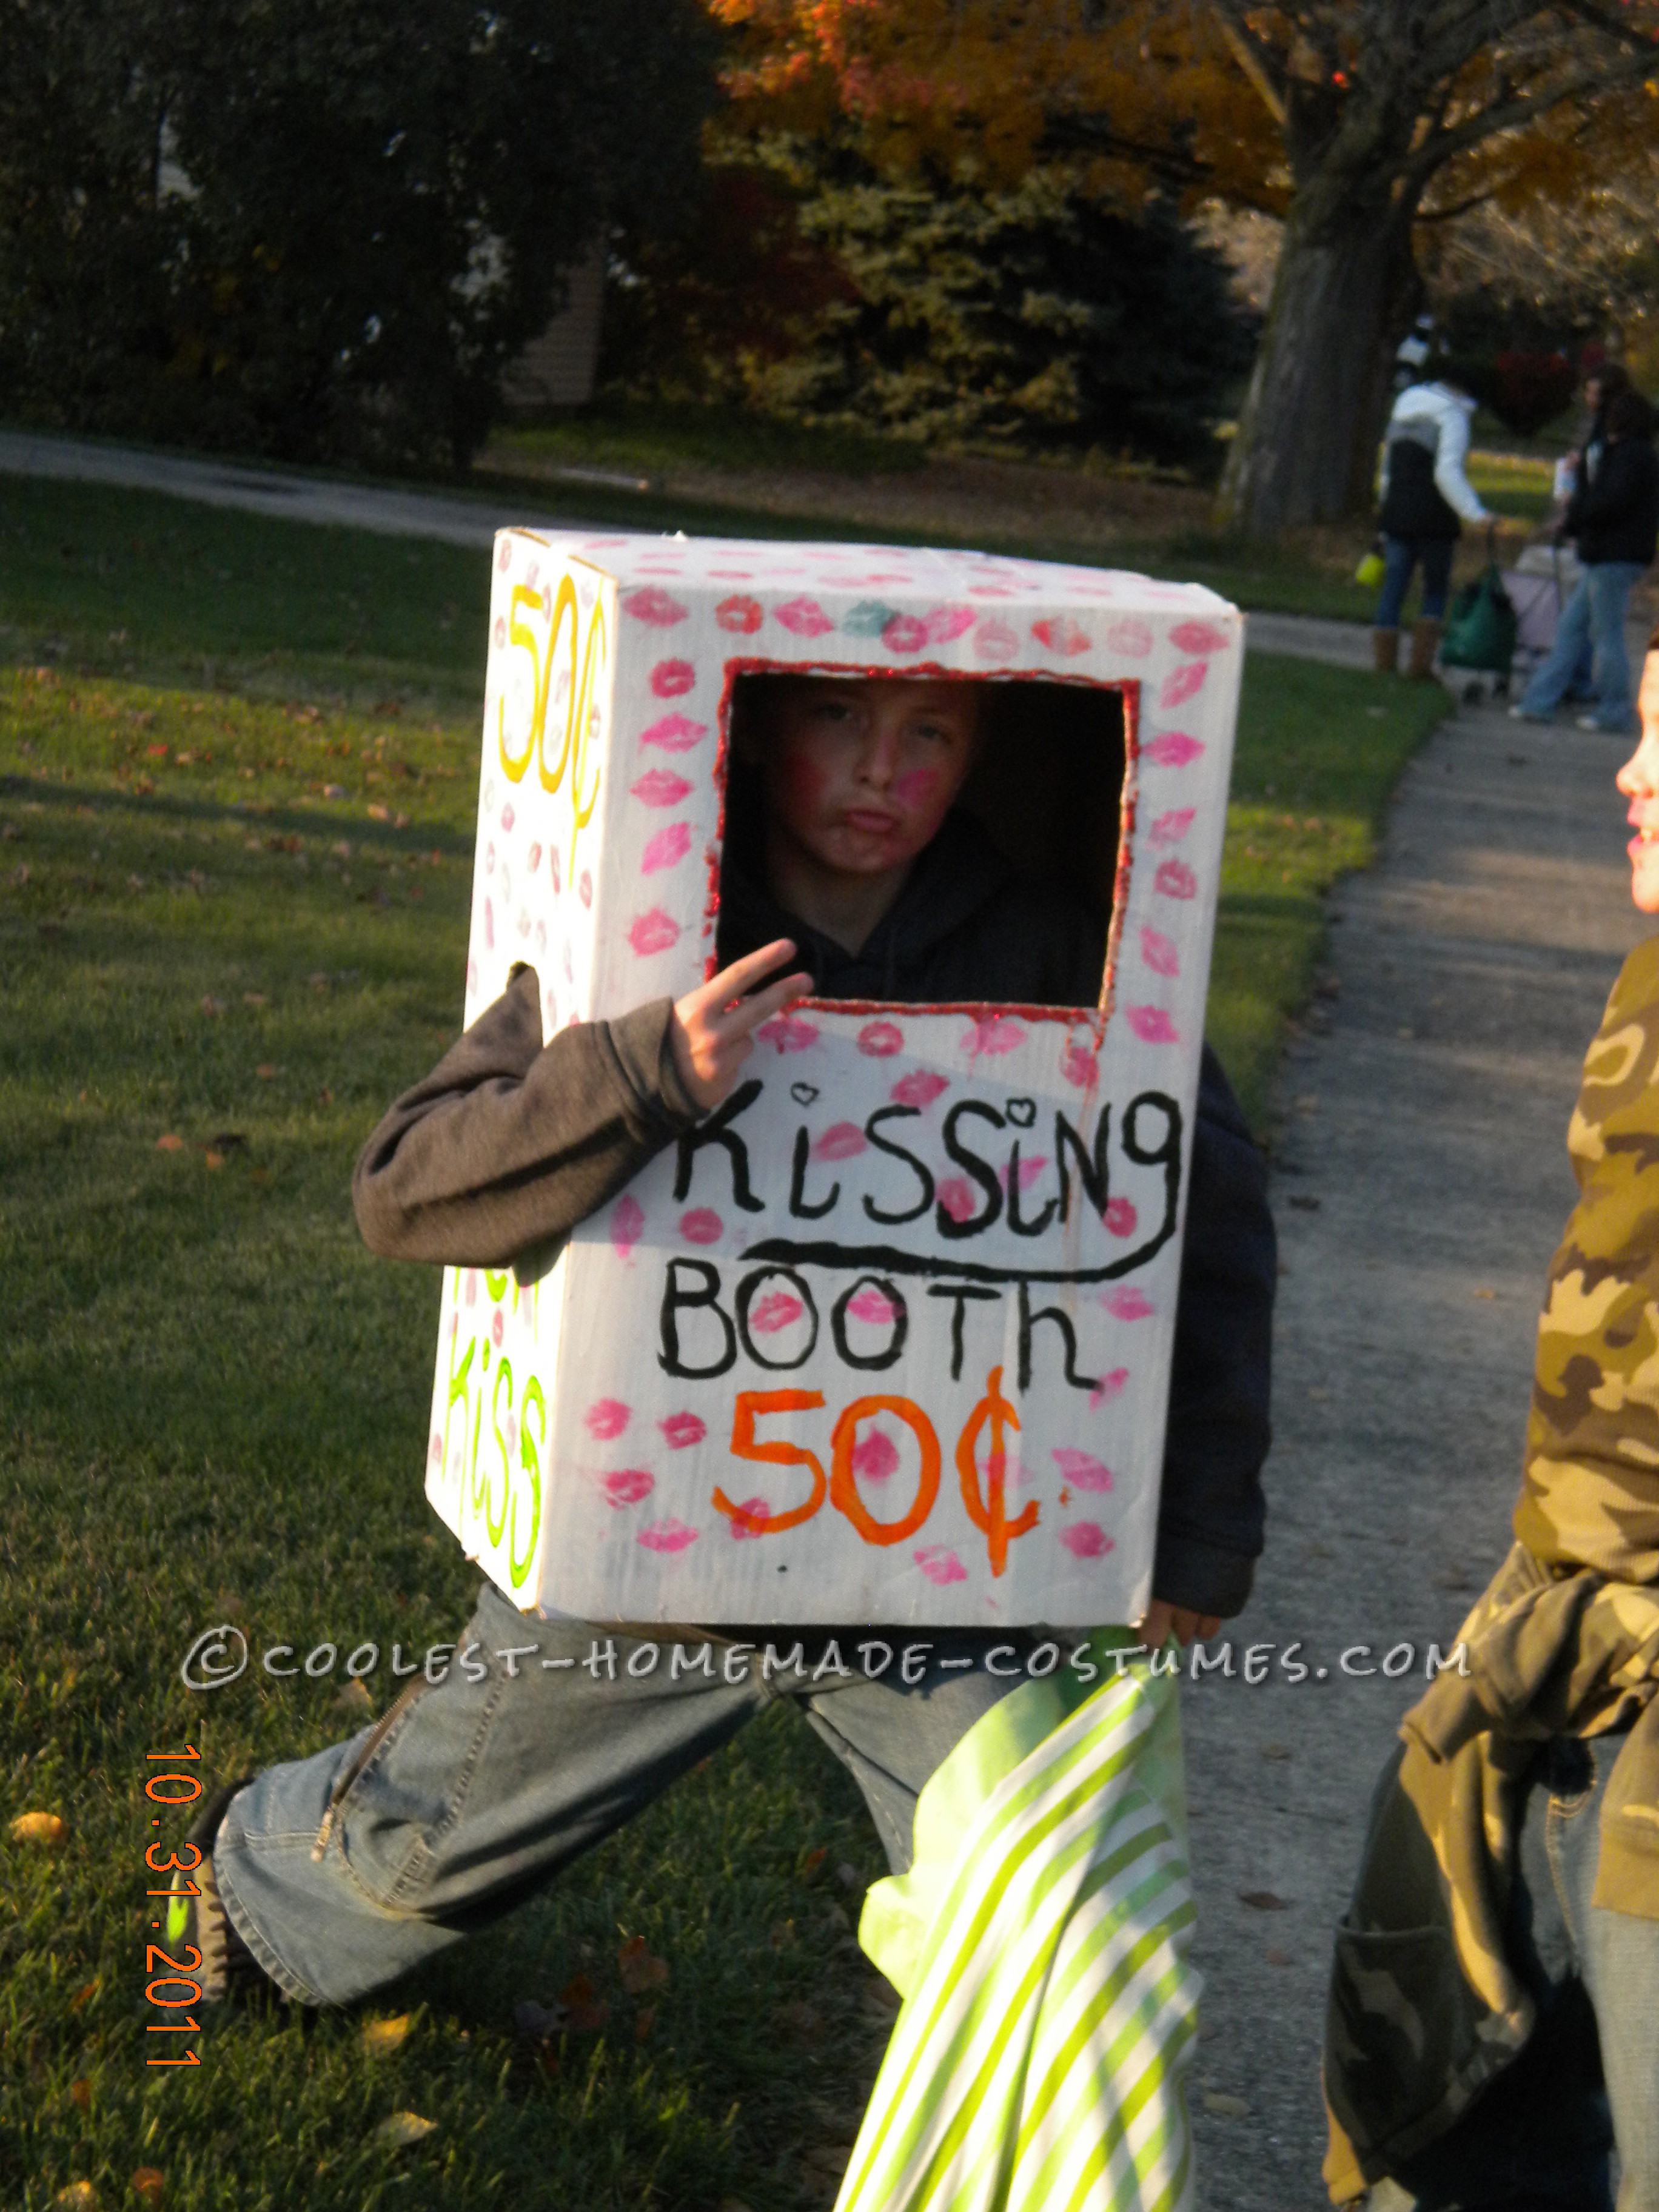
[(881, 1039), (874, 1306), (959, 1197), (1078, 1065), (606, 1417), (1125, 1304), (668, 845), (994, 1034), (674, 733), (654, 606), (1120, 1218), (702, 1225), (1169, 829), (585, 888), (876, 1457), (750, 1518), (652, 933), (1181, 682), (1129, 636), (1174, 750), (1151, 1025), (659, 787), (840, 1142), (942, 624), (904, 634), (994, 640), (742, 615), (940, 1563), (1108, 1388), (787, 1033), (1080, 1468), (1159, 952), (919, 1088), (803, 617), (1086, 1540), (775, 1311), (1175, 880), (1062, 635), (670, 679), (668, 1535), (626, 1221), (682, 1429), (628, 1485), (1197, 637)]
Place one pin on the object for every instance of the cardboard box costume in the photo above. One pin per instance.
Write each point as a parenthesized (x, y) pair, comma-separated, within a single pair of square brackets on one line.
[(887, 1338)]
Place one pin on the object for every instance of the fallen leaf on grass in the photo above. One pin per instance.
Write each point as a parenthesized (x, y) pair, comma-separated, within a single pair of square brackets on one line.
[(148, 2184), (638, 1970), (644, 2021), (1261, 1900), (255, 999), (135, 882), (79, 2196), (382, 2037), (324, 1097), (212, 1005), (170, 1143), (49, 1828), (354, 1698), (319, 981), (377, 812), (1223, 2108), (20, 875), (85, 1994), (811, 1861), (265, 1069), (400, 822), (403, 2128), (214, 1159), (586, 2011), (81, 2093)]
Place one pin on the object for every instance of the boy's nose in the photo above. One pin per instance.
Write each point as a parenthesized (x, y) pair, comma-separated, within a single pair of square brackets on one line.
[(881, 757)]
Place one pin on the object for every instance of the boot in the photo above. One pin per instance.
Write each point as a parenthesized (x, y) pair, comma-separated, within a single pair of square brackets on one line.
[(1385, 649), (1425, 638)]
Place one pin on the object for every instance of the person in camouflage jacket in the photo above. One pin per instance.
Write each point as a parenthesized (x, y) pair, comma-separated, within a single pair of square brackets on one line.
[(1492, 2027)]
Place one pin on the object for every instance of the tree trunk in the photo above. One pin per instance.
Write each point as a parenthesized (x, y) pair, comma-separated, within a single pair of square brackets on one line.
[(1306, 447)]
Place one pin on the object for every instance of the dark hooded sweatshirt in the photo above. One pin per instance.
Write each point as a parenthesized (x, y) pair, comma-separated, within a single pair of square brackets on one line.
[(511, 1141)]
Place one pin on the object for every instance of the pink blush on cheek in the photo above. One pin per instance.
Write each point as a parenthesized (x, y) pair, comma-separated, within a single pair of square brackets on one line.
[(916, 788)]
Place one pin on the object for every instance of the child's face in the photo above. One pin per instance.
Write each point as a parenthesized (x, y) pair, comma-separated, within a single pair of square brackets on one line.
[(860, 774), (1638, 780)]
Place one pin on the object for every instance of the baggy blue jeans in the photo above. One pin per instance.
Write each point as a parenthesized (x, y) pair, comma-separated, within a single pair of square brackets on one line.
[(343, 1870), (1594, 612), (1588, 2077), (1400, 556)]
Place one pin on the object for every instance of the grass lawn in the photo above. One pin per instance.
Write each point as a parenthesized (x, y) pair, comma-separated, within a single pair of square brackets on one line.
[(233, 880)]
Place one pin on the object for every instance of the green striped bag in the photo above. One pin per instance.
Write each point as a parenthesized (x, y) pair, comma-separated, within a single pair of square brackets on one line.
[(1039, 1941)]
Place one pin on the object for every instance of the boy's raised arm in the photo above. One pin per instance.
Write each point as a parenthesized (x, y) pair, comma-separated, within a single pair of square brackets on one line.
[(510, 1142)]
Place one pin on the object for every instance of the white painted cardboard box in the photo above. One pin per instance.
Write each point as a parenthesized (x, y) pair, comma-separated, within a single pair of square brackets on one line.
[(888, 1340)]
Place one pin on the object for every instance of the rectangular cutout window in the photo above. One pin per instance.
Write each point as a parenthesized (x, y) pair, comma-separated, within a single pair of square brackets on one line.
[(1013, 901)]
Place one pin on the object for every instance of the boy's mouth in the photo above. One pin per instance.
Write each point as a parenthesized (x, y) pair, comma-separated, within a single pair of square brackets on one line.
[(870, 820)]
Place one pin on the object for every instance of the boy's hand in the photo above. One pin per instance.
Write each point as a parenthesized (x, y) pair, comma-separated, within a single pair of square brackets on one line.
[(1153, 1628), (709, 1035)]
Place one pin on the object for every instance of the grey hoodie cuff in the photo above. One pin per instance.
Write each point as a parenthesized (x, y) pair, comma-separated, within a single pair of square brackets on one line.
[(645, 1059)]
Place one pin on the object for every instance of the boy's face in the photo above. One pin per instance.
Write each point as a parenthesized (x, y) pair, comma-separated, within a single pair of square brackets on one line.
[(1638, 780), (860, 773)]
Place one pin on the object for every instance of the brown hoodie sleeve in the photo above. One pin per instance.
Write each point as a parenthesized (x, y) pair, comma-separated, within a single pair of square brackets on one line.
[(510, 1142)]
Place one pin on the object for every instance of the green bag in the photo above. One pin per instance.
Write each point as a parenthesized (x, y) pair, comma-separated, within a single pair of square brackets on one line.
[(1480, 626)]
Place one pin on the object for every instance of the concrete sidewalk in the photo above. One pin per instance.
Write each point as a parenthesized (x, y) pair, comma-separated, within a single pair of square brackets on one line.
[(1421, 1185)]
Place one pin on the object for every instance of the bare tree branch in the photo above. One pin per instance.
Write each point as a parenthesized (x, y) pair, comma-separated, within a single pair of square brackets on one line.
[(1508, 115), (1241, 46)]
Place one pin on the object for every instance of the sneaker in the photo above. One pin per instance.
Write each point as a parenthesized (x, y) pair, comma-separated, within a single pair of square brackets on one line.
[(1519, 714), (1601, 729), (201, 1920)]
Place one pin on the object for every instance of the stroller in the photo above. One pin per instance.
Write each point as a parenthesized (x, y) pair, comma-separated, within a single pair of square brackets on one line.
[(1539, 586)]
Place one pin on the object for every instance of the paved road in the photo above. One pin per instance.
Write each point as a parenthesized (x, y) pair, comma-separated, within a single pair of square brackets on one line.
[(1420, 1187), (463, 519)]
